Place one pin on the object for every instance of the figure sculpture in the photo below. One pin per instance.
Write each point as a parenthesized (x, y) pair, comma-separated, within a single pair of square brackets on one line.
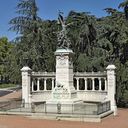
[(63, 41)]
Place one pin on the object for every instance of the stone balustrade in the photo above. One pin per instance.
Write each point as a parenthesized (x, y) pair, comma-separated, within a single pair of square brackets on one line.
[(94, 81), (42, 81), (90, 81), (43, 74)]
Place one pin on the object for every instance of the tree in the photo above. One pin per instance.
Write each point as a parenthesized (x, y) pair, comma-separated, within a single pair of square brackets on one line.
[(5, 50), (83, 24), (124, 5), (113, 40), (82, 35), (27, 20), (30, 27)]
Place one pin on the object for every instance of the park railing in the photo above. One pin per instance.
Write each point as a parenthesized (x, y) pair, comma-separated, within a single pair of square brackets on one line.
[(85, 108), (10, 104)]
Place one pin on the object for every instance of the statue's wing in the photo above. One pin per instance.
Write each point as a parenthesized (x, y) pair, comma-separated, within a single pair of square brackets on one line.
[(61, 19)]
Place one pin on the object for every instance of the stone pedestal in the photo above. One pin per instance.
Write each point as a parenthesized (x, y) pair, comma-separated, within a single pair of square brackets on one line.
[(111, 82), (64, 93), (64, 88), (26, 81)]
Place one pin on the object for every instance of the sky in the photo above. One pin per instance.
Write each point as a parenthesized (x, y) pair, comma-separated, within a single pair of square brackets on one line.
[(48, 9)]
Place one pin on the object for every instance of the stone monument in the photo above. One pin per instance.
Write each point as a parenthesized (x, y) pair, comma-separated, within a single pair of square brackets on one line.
[(64, 96)]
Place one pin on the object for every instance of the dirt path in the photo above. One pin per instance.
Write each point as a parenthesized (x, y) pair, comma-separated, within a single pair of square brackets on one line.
[(12, 95), (120, 121)]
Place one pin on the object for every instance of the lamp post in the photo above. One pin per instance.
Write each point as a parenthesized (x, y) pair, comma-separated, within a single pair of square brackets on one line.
[(25, 59)]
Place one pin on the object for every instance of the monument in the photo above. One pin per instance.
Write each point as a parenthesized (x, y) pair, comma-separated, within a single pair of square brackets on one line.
[(64, 94), (97, 96)]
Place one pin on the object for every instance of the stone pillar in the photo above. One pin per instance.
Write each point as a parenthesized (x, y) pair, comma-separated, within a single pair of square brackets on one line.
[(38, 84), (93, 84), (64, 74), (32, 85), (45, 84), (26, 82), (77, 85), (53, 83), (85, 84), (99, 84), (106, 87), (111, 82)]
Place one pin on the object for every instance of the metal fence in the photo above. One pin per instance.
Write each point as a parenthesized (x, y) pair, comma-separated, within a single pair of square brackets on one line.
[(86, 108), (10, 104)]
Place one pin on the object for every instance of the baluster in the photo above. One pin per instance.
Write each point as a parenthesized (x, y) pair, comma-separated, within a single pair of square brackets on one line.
[(85, 83), (106, 87), (38, 84), (93, 84), (99, 84), (32, 85), (77, 87), (45, 84), (53, 83)]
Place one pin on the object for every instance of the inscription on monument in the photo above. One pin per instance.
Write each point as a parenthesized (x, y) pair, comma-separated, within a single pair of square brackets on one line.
[(62, 60)]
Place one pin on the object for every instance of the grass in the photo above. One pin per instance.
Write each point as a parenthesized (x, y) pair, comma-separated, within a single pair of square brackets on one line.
[(7, 85)]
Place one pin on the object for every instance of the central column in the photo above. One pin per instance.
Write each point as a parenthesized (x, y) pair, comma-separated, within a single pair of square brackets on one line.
[(64, 88), (64, 96)]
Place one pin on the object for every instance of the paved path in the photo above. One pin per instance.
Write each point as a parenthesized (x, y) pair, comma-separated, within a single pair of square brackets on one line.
[(120, 121), (5, 92), (10, 95)]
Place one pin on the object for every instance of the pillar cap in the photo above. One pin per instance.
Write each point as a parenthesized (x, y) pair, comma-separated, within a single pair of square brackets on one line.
[(26, 68), (63, 51), (111, 67)]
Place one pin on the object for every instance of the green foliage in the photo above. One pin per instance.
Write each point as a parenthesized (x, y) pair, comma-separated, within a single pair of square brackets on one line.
[(5, 51), (7, 85), (30, 26), (124, 5), (27, 11)]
